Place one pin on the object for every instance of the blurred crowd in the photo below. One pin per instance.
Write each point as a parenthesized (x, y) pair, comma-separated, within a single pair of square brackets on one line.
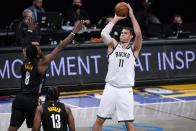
[(29, 27)]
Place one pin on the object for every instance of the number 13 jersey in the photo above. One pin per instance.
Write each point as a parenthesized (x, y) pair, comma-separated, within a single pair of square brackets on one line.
[(54, 116), (121, 67)]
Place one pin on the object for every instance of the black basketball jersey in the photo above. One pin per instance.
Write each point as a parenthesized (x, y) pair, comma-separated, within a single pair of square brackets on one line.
[(54, 116), (32, 80)]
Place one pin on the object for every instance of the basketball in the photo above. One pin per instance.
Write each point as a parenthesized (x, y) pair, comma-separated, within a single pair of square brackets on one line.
[(121, 9)]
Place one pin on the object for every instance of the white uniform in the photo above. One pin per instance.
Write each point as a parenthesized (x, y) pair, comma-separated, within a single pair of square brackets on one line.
[(121, 67), (118, 93)]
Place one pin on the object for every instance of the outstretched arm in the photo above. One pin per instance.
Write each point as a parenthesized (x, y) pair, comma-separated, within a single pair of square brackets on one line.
[(137, 44), (48, 58)]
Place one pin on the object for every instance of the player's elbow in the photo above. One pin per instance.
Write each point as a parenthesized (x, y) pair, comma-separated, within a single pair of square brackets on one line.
[(106, 37), (138, 33), (103, 34)]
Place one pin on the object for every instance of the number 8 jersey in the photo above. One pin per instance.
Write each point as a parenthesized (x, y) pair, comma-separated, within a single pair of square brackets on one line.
[(32, 80), (121, 67), (54, 116)]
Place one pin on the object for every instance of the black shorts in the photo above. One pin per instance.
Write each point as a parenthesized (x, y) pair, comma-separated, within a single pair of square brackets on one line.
[(23, 107)]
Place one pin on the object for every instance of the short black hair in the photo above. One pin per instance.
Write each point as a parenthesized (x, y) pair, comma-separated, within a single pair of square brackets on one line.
[(31, 52), (129, 29), (52, 93)]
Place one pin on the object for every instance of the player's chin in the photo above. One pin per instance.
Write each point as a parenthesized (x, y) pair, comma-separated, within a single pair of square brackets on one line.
[(123, 41)]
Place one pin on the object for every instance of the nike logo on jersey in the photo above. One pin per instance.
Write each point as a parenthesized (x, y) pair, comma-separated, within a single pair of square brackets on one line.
[(122, 54)]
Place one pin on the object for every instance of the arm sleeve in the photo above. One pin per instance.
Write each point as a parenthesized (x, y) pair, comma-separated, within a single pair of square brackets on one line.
[(105, 33)]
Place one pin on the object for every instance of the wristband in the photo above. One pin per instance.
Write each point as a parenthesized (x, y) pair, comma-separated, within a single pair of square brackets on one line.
[(73, 33), (29, 30)]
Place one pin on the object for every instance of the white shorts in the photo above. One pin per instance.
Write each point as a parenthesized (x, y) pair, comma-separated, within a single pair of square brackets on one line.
[(119, 100)]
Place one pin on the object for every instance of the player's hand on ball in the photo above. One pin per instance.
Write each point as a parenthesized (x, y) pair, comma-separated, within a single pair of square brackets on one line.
[(121, 9), (119, 17), (130, 9)]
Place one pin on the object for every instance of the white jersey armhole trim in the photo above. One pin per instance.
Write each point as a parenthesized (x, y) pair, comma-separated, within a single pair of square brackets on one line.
[(113, 49)]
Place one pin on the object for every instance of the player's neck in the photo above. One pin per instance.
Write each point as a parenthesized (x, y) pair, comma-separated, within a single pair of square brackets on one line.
[(124, 45)]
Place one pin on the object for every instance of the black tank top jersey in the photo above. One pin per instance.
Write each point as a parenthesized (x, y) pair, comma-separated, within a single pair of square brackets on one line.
[(54, 117), (31, 78)]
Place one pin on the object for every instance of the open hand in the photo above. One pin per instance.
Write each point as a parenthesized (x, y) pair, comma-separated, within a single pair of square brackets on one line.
[(78, 26), (130, 9)]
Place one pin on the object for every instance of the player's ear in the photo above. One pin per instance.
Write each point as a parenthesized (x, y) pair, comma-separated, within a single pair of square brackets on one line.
[(131, 36)]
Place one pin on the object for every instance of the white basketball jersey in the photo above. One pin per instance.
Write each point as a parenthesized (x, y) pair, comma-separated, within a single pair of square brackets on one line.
[(121, 67)]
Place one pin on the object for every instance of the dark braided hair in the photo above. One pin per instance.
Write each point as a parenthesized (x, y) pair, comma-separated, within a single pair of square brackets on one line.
[(31, 52), (52, 93)]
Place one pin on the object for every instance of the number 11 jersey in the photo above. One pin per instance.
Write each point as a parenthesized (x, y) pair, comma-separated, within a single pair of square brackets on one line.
[(121, 67)]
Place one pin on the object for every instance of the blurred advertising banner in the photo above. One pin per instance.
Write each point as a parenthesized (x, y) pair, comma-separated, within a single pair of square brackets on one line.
[(88, 65)]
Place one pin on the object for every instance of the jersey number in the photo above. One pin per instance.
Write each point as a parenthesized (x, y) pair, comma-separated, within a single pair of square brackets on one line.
[(27, 78), (56, 120), (121, 62)]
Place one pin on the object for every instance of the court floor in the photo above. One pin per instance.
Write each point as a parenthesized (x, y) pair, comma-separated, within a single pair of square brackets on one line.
[(157, 108)]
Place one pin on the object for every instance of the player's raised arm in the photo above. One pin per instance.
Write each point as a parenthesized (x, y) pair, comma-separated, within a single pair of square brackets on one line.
[(48, 58), (137, 44), (105, 33)]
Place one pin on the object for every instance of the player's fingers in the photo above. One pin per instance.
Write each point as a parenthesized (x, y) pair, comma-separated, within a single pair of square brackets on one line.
[(128, 5), (122, 18), (80, 24)]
